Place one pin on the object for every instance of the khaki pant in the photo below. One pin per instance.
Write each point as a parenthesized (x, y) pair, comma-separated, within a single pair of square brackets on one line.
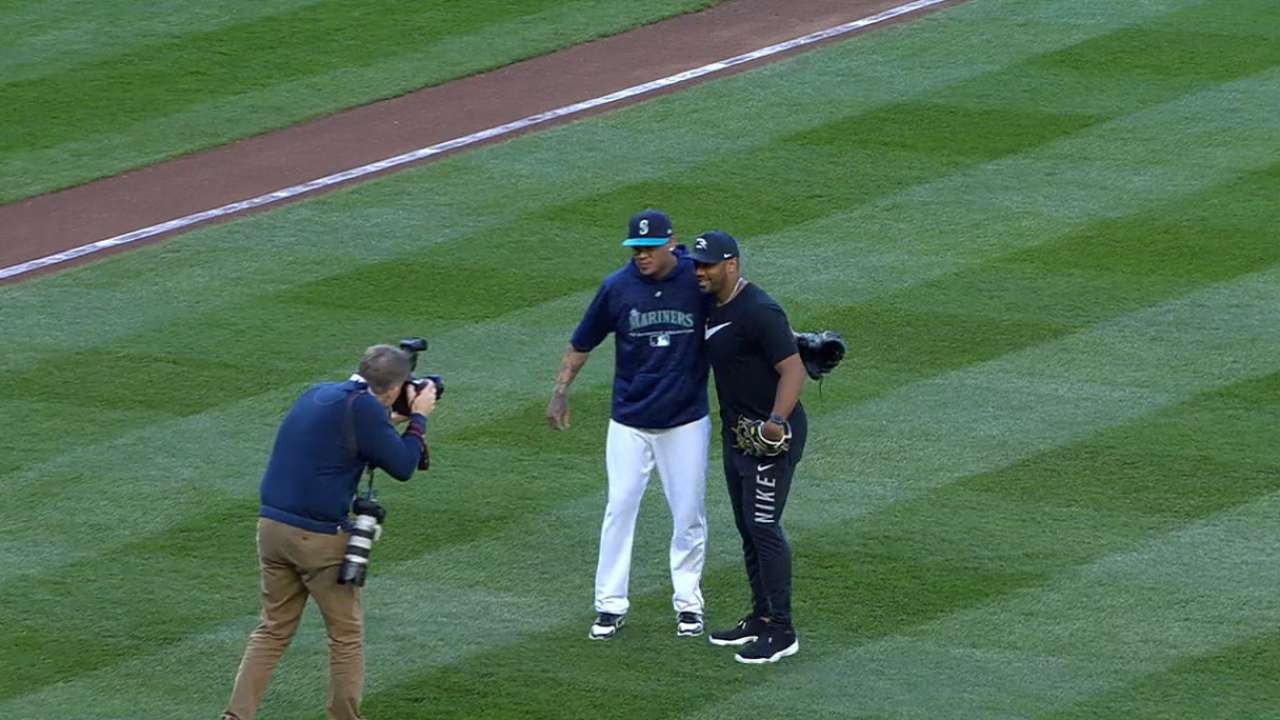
[(297, 563)]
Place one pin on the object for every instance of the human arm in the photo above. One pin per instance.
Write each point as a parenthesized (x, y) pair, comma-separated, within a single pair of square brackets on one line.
[(791, 376), (379, 444), (595, 327), (558, 407), (778, 343)]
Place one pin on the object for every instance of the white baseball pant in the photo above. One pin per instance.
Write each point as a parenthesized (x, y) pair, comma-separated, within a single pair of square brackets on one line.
[(680, 456)]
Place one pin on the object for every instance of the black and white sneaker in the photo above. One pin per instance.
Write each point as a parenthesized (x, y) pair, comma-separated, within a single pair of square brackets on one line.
[(688, 624), (606, 626), (777, 641), (747, 630)]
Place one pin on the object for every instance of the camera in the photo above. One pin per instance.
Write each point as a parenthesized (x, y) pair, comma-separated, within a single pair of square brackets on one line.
[(364, 531), (413, 346)]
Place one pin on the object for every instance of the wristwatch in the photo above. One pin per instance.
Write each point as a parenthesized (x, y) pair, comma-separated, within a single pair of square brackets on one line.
[(778, 420)]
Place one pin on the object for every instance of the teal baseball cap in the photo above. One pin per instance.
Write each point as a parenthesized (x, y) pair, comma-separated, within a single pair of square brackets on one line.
[(648, 228)]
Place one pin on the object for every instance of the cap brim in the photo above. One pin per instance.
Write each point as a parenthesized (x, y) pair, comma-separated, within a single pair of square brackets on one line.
[(708, 258), (645, 241)]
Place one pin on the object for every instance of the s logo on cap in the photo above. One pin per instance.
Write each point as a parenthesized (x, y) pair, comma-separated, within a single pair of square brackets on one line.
[(700, 244), (644, 226)]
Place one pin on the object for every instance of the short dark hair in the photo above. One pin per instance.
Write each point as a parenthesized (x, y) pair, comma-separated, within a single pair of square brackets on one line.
[(385, 367)]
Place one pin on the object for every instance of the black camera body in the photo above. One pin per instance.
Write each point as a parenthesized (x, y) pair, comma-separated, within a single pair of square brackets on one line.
[(413, 346), (364, 531)]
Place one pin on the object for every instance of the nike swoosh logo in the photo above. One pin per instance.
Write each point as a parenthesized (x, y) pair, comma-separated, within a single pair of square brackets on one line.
[(762, 468), (713, 330)]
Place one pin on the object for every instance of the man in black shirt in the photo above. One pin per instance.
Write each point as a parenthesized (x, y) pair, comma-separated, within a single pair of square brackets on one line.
[(759, 377)]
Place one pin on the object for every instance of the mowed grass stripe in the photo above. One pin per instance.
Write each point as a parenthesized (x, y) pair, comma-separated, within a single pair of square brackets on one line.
[(215, 84), (1011, 302), (282, 401), (1048, 291), (526, 409), (915, 460), (206, 474), (906, 336), (1092, 630), (469, 691), (854, 159), (1112, 171), (1234, 681), (1057, 509), (210, 556), (251, 461), (470, 294), (166, 465), (231, 60), (1142, 64), (892, 573), (198, 353), (398, 215), (1156, 347), (55, 37)]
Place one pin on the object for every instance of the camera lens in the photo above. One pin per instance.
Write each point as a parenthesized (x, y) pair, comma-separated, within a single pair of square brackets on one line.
[(355, 561)]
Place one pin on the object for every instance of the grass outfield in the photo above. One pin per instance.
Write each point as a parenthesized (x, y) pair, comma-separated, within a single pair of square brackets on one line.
[(95, 87), (1044, 483)]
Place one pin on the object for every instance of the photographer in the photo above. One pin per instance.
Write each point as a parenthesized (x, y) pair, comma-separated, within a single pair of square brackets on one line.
[(332, 432)]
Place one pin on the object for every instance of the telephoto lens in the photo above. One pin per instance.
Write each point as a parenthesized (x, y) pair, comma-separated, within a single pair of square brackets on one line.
[(364, 531)]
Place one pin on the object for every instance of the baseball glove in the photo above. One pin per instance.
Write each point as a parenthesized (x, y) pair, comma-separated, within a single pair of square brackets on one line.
[(748, 438), (820, 352)]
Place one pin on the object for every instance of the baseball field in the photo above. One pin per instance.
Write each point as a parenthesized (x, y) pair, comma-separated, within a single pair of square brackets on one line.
[(1044, 483)]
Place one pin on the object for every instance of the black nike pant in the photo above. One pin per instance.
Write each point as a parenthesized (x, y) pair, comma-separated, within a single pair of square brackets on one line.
[(758, 490)]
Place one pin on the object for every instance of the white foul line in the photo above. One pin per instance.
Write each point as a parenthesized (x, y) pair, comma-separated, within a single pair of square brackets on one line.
[(426, 152)]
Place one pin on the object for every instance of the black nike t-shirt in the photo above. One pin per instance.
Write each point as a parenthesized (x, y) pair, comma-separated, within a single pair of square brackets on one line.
[(745, 339)]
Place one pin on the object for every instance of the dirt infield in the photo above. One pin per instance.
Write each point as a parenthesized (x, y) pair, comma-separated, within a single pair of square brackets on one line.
[(47, 224)]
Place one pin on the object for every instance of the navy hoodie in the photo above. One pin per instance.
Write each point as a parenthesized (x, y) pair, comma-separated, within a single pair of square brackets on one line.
[(660, 369)]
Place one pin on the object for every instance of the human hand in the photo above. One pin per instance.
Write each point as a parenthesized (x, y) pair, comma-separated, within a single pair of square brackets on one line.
[(425, 399), (749, 436), (772, 431), (558, 412)]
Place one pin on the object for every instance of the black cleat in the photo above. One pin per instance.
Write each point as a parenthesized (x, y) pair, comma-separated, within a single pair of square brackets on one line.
[(606, 626), (747, 630), (777, 641)]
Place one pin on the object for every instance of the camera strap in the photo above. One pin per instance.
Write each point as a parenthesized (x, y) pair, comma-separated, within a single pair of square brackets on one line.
[(349, 432), (349, 423)]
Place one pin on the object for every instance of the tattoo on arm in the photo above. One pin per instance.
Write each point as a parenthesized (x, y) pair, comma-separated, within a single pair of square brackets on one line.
[(570, 364)]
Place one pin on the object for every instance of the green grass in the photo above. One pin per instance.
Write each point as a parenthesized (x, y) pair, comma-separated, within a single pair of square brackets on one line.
[(92, 89), (1043, 483)]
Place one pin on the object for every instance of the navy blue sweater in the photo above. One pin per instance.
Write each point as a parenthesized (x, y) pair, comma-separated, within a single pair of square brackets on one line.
[(313, 472)]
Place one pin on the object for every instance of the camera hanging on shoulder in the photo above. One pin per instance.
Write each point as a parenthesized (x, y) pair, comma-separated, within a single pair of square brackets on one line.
[(365, 530)]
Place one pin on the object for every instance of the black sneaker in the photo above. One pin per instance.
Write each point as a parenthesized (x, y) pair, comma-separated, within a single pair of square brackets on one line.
[(688, 624), (776, 642), (747, 630), (606, 626)]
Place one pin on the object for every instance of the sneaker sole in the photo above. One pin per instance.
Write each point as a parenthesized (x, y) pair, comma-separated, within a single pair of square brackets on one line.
[(787, 651), (591, 634), (688, 633), (732, 643)]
